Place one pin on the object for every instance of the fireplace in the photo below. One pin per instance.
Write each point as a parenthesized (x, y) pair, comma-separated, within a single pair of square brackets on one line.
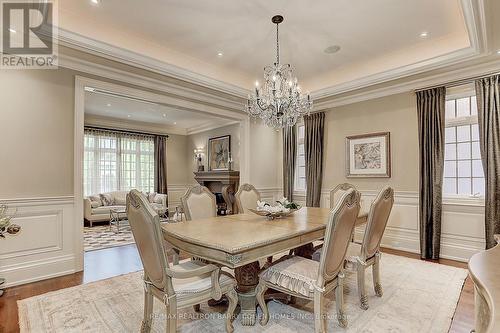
[(223, 184)]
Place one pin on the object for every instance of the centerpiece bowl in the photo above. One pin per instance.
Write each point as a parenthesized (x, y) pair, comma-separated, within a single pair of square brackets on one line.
[(282, 209)]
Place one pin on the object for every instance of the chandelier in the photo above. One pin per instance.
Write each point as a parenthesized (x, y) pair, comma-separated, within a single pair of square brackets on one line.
[(278, 102)]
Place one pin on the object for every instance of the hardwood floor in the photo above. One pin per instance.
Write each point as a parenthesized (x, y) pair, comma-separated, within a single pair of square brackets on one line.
[(107, 263)]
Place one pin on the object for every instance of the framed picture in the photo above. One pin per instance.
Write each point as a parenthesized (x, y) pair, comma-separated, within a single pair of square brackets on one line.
[(219, 149), (368, 155)]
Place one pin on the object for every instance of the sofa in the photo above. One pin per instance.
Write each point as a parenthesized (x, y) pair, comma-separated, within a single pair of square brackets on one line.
[(96, 208)]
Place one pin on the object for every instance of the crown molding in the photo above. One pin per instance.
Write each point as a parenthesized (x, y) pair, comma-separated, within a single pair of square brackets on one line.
[(89, 45), (204, 128), (122, 124), (461, 73)]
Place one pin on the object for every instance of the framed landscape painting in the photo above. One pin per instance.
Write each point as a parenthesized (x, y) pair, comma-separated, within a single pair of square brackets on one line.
[(218, 152), (368, 155)]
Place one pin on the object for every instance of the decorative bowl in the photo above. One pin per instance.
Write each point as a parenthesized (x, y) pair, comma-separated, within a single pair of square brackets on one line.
[(272, 216)]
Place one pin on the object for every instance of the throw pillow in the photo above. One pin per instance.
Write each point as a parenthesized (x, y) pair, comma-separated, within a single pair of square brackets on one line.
[(158, 199), (95, 204), (107, 199), (96, 199), (151, 196)]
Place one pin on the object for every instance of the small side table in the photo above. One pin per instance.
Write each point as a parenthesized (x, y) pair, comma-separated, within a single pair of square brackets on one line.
[(115, 216)]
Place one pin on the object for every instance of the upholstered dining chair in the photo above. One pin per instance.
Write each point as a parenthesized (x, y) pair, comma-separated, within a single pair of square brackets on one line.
[(361, 256), (338, 191), (198, 203), (177, 286), (246, 197), (309, 279)]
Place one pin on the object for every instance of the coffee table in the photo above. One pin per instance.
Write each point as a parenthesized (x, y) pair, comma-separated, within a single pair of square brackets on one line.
[(115, 216)]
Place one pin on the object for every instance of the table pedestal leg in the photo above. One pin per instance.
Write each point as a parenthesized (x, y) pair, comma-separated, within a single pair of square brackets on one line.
[(247, 278), (305, 251)]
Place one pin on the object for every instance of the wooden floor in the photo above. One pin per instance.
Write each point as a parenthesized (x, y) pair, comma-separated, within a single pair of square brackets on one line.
[(107, 263)]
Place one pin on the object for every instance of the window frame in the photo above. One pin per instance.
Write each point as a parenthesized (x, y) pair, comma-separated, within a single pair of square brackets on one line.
[(300, 141), (449, 198)]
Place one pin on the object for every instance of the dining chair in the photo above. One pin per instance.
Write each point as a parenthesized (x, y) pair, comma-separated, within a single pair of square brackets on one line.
[(177, 286), (309, 279), (337, 192), (246, 197), (198, 203), (361, 256)]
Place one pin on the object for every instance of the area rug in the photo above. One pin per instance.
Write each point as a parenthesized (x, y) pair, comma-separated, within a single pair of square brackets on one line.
[(418, 297), (100, 237)]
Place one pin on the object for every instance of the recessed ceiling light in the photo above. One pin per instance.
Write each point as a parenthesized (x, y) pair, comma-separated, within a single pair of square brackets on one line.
[(424, 34), (332, 49), (108, 105), (94, 2), (164, 115), (12, 30), (498, 52), (175, 123), (220, 54), (128, 116)]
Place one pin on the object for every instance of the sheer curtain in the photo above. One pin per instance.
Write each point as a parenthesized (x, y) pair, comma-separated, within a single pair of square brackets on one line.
[(117, 161)]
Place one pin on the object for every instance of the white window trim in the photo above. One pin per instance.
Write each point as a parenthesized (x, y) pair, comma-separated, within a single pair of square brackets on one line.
[(460, 199)]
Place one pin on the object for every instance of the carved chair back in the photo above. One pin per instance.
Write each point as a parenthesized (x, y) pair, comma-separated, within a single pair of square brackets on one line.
[(338, 235), (246, 197), (199, 203), (337, 193), (378, 216), (145, 225)]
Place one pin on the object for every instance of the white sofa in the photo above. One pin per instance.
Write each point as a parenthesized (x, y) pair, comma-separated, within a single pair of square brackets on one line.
[(96, 208)]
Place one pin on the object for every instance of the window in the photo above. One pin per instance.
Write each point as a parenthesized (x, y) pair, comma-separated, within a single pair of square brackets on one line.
[(115, 161), (463, 169), (300, 169)]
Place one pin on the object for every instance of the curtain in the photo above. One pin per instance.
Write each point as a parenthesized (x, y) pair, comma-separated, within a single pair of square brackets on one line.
[(289, 160), (488, 105), (431, 124), (161, 164), (313, 148), (117, 161)]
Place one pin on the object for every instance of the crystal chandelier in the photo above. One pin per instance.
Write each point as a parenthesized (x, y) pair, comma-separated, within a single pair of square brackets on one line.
[(278, 102)]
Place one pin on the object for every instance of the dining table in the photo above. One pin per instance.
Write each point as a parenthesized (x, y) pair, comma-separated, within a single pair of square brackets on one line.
[(239, 241)]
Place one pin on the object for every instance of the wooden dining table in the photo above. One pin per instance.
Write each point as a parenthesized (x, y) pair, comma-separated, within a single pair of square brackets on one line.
[(239, 241)]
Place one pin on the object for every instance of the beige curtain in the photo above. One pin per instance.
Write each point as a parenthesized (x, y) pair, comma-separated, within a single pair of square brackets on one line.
[(313, 149), (289, 160), (488, 105), (431, 121), (161, 164)]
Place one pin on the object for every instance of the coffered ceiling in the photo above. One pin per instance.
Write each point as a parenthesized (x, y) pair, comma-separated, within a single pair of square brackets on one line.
[(228, 42)]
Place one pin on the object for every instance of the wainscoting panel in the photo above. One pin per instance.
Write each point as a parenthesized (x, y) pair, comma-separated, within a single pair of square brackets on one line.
[(462, 232), (175, 192), (45, 247)]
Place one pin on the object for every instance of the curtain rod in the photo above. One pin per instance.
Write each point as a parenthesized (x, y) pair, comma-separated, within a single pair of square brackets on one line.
[(125, 131), (460, 82)]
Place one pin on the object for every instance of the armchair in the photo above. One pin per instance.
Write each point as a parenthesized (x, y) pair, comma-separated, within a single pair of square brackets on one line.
[(178, 286), (198, 203), (246, 197)]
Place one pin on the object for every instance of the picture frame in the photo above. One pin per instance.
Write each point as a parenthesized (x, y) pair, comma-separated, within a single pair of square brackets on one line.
[(368, 155), (219, 149)]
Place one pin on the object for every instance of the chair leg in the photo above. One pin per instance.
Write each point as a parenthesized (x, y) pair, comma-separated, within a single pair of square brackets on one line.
[(171, 326), (232, 297), (319, 313), (260, 291), (339, 301), (148, 310), (376, 276), (175, 257), (363, 298)]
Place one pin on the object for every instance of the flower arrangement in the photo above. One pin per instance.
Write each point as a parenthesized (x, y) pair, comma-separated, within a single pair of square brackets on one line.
[(284, 207), (6, 227)]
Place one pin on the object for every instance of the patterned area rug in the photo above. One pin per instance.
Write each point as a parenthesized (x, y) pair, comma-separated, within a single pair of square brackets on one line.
[(418, 297), (100, 237)]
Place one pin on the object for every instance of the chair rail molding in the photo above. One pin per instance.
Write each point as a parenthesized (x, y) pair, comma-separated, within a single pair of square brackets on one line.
[(462, 232), (45, 246)]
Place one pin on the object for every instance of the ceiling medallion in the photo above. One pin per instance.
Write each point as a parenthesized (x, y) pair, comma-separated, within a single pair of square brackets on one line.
[(278, 102)]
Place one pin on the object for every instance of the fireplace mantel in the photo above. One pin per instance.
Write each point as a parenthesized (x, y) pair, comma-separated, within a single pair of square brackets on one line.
[(221, 181)]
